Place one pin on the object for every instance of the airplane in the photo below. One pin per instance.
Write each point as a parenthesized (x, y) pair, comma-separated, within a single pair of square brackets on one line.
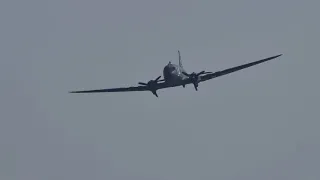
[(175, 75)]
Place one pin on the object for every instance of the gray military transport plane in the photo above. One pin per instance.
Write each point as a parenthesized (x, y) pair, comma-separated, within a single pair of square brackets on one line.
[(176, 75)]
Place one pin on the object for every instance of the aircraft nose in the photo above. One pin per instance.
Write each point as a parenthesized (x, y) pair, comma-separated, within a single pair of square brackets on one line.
[(167, 71), (169, 68)]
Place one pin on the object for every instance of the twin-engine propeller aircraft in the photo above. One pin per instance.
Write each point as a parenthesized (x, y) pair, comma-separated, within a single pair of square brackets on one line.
[(176, 75)]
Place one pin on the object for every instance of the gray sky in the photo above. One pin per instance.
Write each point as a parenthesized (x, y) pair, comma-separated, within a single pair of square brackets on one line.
[(259, 123)]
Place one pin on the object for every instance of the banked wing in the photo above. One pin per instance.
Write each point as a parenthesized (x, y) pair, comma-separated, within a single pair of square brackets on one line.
[(161, 85), (234, 69), (121, 89)]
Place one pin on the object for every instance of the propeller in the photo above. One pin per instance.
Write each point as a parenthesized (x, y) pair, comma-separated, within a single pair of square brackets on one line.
[(151, 85), (194, 77)]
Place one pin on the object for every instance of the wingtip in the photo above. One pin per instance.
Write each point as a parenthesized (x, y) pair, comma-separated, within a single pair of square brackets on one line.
[(273, 57)]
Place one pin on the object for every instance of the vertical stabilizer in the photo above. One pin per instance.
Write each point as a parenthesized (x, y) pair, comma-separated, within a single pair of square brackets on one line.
[(180, 62)]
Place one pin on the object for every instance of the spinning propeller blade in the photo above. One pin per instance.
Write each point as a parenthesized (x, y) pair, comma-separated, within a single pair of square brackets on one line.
[(141, 83), (152, 85), (194, 77)]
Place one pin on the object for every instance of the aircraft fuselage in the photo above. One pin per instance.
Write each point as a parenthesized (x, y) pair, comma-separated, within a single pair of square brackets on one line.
[(172, 74)]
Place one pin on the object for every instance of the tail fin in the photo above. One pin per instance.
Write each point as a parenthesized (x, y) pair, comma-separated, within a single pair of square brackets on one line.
[(180, 62)]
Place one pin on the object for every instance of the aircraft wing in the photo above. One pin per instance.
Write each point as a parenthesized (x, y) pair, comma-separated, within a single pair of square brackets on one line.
[(234, 69), (122, 89), (161, 85)]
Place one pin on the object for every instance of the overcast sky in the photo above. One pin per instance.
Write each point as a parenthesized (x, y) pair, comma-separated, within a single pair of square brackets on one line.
[(258, 123)]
